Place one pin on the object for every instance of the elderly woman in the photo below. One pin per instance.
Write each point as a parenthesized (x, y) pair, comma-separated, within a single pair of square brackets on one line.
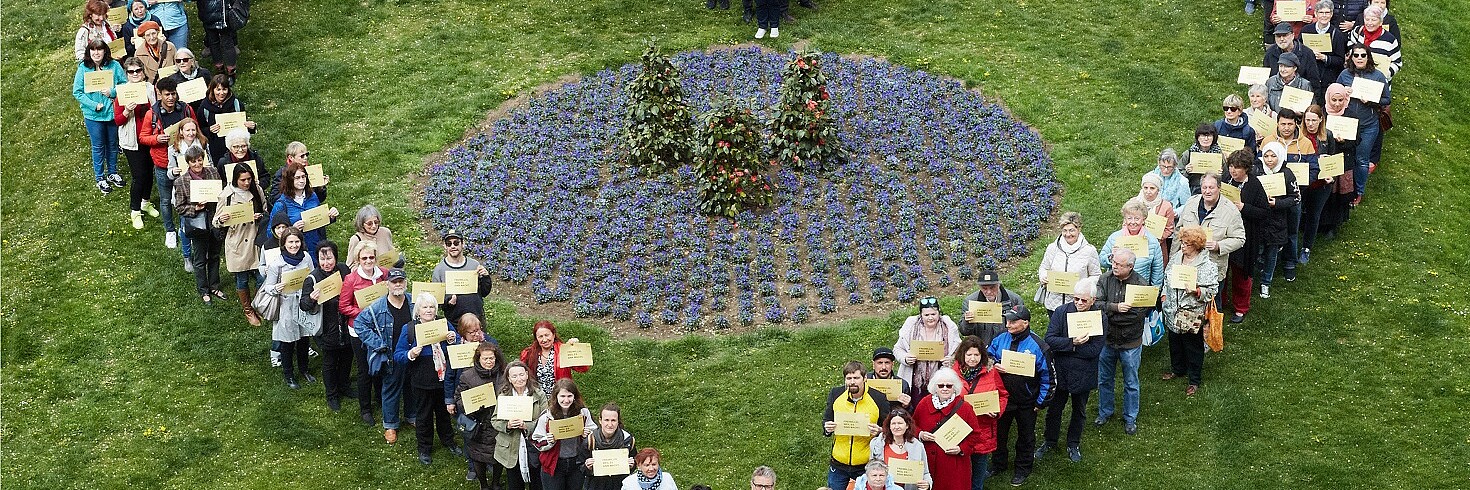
[(1075, 357), (1184, 306), (94, 28), (1362, 65), (137, 15), (97, 114), (875, 477), (1206, 140), (949, 467), (296, 198), (425, 365), (221, 100), (237, 150), (205, 248), (929, 324), (1150, 262), (153, 50), (1275, 234), (1070, 252), (1235, 124), (479, 442), (976, 368), (1379, 41), (287, 334), (369, 226), (512, 437), (610, 434), (542, 356), (1344, 190), (1175, 186), (899, 440), (1151, 194), (241, 255), (1255, 208), (1259, 107), (562, 460), (650, 474)]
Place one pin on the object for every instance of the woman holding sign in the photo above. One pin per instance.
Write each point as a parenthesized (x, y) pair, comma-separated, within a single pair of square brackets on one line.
[(512, 437), (947, 448), (426, 364), (151, 47), (1281, 202), (900, 441), (127, 112), (94, 87), (1345, 189), (1254, 207), (195, 210), (650, 474), (1360, 76), (562, 460), (369, 225), (1144, 244), (610, 436), (1206, 140), (973, 363), (1151, 194), (929, 326), (298, 198), (1190, 283), (286, 268), (1071, 255), (334, 338), (544, 357), (242, 207), (94, 28), (221, 100), (1316, 196), (479, 442)]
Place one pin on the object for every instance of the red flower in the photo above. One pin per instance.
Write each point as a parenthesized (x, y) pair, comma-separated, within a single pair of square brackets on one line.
[(767, 187), (811, 105), (724, 144)]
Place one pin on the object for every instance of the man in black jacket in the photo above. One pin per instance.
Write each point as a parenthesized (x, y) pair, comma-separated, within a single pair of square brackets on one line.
[(990, 291), (1075, 357), (1123, 329)]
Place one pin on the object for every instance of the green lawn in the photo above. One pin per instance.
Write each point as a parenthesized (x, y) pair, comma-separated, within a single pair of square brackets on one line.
[(1354, 376)]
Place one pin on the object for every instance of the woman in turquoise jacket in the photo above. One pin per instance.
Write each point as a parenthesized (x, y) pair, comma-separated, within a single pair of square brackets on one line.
[(97, 113)]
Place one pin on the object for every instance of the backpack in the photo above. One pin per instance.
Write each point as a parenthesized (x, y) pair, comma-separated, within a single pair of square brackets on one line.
[(237, 13)]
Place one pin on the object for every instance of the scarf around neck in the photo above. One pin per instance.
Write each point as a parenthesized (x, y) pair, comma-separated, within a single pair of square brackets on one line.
[(293, 259), (646, 483)]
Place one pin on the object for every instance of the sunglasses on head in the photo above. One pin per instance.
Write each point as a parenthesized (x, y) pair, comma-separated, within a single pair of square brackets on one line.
[(929, 301)]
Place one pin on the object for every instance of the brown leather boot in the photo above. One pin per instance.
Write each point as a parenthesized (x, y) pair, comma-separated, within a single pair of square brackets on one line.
[(250, 315)]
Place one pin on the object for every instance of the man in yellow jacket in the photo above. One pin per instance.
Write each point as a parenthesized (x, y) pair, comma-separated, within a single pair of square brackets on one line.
[(850, 444)]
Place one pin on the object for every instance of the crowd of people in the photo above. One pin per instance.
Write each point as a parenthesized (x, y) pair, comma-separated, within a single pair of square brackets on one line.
[(1190, 247)]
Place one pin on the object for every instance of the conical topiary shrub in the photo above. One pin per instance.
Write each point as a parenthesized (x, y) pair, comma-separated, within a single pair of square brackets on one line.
[(656, 128), (803, 134), (731, 170)]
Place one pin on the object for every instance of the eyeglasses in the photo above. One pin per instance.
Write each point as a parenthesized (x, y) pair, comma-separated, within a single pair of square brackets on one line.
[(929, 301), (181, 60), (944, 385), (305, 154), (1230, 109), (759, 485)]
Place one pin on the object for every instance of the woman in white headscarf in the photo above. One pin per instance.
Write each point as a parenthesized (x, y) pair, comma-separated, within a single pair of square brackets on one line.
[(1151, 194)]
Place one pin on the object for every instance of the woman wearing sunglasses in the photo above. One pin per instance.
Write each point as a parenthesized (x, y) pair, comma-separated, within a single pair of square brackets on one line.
[(1360, 64)]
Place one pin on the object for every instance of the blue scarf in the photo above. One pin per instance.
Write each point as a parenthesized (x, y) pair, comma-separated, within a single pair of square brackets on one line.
[(646, 483)]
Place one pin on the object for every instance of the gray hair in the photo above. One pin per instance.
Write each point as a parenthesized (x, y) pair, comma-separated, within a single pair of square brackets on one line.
[(945, 375), (1212, 175), (1258, 89), (875, 465), (367, 211), (1086, 286), (1169, 154), (193, 153), (1134, 206), (1323, 5), (1124, 255), (183, 52), (237, 135), (426, 298), (1375, 12), (1071, 218), (764, 471)]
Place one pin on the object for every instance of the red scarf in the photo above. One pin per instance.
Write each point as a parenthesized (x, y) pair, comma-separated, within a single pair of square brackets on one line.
[(1370, 36)]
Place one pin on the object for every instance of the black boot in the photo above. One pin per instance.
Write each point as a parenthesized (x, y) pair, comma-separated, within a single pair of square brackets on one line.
[(724, 4), (709, 4)]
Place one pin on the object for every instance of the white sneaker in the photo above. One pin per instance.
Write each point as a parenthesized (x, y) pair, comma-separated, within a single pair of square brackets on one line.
[(775, 32), (760, 33), (1265, 291), (310, 352), (171, 239), (148, 208), (188, 266), (137, 219), (275, 359)]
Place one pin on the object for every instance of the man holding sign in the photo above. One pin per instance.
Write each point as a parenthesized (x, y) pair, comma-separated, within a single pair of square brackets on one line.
[(883, 360), (379, 326), (423, 366), (1123, 329), (850, 443), (990, 291), (457, 305), (1029, 388), (1075, 339)]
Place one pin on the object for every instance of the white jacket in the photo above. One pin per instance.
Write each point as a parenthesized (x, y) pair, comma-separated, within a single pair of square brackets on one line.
[(1084, 261)]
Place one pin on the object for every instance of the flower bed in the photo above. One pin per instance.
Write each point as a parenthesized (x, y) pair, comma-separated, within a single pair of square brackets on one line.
[(938, 185)]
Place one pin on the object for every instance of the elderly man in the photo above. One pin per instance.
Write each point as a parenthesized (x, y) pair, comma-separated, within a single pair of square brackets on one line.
[(990, 291), (1286, 43), (1075, 356), (851, 452), (875, 477), (1123, 329), (379, 326), (1227, 229), (1026, 392)]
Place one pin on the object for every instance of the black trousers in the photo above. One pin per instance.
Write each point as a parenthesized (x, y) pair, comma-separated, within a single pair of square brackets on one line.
[(1025, 421), (768, 13), (293, 357), (369, 387), (1075, 424), (433, 417), (513, 478), (140, 179), (569, 475), (336, 368), (204, 256), (491, 480), (222, 44), (1267, 28), (1187, 354)]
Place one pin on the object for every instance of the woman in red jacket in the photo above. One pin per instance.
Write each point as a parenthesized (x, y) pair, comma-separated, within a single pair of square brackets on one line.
[(366, 274), (542, 357), (977, 370), (950, 468)]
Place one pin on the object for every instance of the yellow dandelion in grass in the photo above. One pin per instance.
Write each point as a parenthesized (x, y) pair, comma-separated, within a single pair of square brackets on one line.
[(1342, 278)]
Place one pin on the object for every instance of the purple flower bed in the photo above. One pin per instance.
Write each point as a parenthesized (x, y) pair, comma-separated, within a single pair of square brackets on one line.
[(939, 184)]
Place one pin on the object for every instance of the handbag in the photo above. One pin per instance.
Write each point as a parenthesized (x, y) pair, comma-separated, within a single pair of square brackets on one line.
[(1214, 328), (237, 13), (198, 226), (267, 305), (1153, 327), (1385, 119)]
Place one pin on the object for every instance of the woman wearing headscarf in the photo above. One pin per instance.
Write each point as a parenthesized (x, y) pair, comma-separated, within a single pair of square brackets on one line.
[(610, 434), (241, 256), (293, 343), (1275, 232), (899, 439), (1070, 252), (512, 437), (479, 442), (1361, 65), (1150, 193), (1184, 307), (1206, 140), (929, 324), (369, 226), (1344, 190), (972, 362), (1174, 187), (649, 474), (542, 357), (94, 28), (949, 467), (426, 365)]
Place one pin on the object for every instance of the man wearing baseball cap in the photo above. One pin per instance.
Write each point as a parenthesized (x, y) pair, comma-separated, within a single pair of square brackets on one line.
[(883, 360), (1027, 392), (1286, 43), (379, 326), (990, 291)]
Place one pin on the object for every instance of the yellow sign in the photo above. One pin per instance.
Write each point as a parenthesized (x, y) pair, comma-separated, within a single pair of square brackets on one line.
[(388, 258), (431, 332), (204, 190), (984, 402), (237, 214), (462, 355), (1273, 184), (434, 288), (1381, 62), (1085, 324), (1230, 192), (1329, 165), (482, 396), (1183, 276), (193, 90), (166, 71), (927, 350), (1018, 363), (1302, 171), (1321, 43), (890, 388), (329, 288), (117, 15), (906, 471), (1343, 127), (254, 170), (316, 217), (1141, 296), (461, 282), (230, 121), (567, 428), (292, 280), (1228, 145), (1061, 282), (609, 462), (1155, 224), (1264, 126), (514, 408), (1138, 244), (1291, 10), (850, 424), (573, 355), (368, 295), (1203, 163), (1296, 99), (952, 433), (315, 176), (132, 93), (1367, 90), (986, 311), (1253, 75), (97, 81), (119, 48)]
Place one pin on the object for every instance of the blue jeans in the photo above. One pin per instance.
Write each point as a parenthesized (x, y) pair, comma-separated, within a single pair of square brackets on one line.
[(166, 201), (1366, 139), (242, 280), (179, 36), (837, 478), (979, 469), (1268, 256), (394, 399), (1107, 366), (103, 135)]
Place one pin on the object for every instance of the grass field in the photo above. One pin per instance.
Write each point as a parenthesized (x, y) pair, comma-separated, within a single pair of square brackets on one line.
[(113, 375)]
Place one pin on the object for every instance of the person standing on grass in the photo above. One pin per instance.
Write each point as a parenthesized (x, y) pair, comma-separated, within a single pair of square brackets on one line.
[(242, 258), (221, 34), (297, 197), (768, 16), (424, 368), (990, 291), (1151, 195), (1184, 308), (512, 437), (1286, 76), (470, 332), (972, 362), (1276, 231), (883, 360), (369, 228), (562, 459), (1075, 357), (137, 15), (334, 339), (458, 305), (1235, 124), (610, 434), (1206, 140), (1370, 128), (1070, 252), (479, 442), (1287, 43), (140, 164), (899, 440), (543, 357), (1135, 213), (293, 341), (1123, 327), (1025, 394), (94, 28), (366, 274), (153, 49), (949, 467), (379, 326), (850, 452), (1175, 186), (221, 99), (187, 136), (929, 324), (1255, 209), (196, 216), (97, 114), (1226, 230)]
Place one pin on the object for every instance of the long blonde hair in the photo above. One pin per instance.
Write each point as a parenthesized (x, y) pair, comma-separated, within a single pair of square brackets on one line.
[(178, 143)]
